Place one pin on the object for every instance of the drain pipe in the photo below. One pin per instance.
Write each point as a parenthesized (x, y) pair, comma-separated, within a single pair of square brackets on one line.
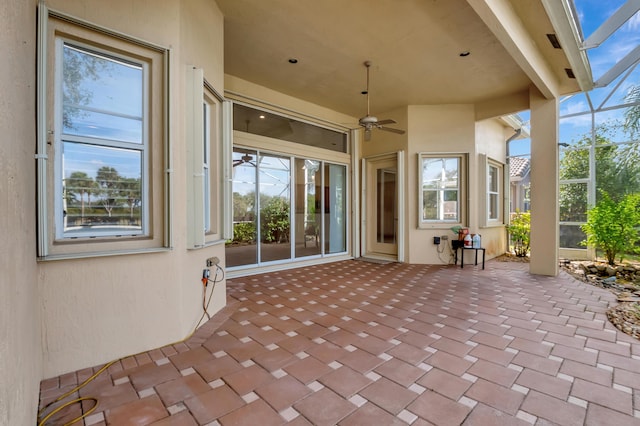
[(512, 137)]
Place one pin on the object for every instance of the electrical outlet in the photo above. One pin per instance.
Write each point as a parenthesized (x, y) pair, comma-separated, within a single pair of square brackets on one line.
[(436, 240), (212, 261), (444, 237)]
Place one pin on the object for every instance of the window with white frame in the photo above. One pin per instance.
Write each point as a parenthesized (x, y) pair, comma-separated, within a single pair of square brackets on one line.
[(101, 150), (441, 194), (493, 192), (204, 142), (494, 180)]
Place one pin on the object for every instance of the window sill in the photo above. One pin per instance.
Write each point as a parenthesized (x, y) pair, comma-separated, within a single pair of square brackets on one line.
[(493, 225), (72, 256), (211, 243), (438, 225)]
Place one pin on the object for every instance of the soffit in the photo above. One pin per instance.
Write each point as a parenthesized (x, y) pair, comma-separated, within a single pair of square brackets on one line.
[(414, 46), (537, 23)]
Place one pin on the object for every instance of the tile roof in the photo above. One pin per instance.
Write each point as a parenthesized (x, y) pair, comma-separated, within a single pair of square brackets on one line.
[(519, 166)]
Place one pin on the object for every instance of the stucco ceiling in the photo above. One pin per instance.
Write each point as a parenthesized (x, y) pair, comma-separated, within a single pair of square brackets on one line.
[(414, 47)]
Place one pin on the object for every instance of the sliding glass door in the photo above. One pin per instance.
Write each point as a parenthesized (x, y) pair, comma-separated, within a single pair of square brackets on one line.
[(272, 222)]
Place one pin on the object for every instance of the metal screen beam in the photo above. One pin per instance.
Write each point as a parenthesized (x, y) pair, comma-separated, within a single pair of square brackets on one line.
[(615, 21), (625, 63)]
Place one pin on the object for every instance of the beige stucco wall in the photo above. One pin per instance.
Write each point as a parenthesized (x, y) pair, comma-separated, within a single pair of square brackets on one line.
[(98, 309), (451, 129), (491, 137), (20, 347), (435, 129)]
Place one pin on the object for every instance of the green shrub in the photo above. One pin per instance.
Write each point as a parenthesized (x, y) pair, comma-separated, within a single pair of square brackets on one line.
[(275, 220), (520, 233), (244, 232), (612, 226)]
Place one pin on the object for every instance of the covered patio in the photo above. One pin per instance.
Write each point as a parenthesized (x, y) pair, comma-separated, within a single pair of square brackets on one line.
[(368, 343)]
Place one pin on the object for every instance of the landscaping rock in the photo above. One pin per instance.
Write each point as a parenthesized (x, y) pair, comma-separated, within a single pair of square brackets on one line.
[(625, 318), (623, 281)]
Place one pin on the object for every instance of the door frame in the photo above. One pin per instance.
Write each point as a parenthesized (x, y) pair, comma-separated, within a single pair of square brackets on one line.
[(400, 201)]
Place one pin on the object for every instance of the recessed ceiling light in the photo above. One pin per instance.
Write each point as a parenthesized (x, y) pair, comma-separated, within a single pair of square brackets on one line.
[(262, 116), (465, 53), (293, 61)]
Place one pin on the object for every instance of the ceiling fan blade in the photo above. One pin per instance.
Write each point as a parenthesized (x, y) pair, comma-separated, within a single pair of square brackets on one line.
[(388, 121), (367, 134), (389, 129)]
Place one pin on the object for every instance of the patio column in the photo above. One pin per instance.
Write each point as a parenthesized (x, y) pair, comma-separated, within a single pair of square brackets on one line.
[(544, 184)]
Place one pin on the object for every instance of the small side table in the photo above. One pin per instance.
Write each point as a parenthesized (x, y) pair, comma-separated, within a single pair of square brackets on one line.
[(462, 248)]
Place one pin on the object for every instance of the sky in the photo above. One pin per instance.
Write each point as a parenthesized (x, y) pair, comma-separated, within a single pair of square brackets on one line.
[(591, 14)]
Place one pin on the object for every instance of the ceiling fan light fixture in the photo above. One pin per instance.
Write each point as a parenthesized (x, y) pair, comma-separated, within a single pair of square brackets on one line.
[(370, 122), (369, 119)]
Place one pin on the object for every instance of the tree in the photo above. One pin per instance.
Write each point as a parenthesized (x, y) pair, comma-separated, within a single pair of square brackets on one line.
[(79, 184), (632, 114), (130, 192), (274, 215), (79, 67), (244, 206), (612, 225), (108, 180), (617, 172)]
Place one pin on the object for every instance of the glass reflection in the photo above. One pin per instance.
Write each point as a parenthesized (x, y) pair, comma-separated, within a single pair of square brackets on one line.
[(274, 174), (386, 207), (308, 216), (102, 96), (335, 208), (243, 249), (105, 199)]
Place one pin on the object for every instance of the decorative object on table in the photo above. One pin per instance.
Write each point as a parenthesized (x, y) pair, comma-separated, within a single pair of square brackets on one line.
[(468, 242)]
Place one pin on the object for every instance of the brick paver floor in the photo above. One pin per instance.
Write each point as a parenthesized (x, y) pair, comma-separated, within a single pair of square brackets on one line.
[(358, 343)]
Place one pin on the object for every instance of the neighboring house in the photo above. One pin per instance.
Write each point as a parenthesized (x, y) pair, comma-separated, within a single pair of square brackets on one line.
[(131, 128), (519, 179)]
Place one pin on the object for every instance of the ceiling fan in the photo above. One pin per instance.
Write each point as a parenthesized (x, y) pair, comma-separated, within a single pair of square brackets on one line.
[(246, 158), (370, 122)]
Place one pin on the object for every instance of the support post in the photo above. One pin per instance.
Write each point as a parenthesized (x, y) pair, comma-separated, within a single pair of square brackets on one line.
[(544, 184)]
